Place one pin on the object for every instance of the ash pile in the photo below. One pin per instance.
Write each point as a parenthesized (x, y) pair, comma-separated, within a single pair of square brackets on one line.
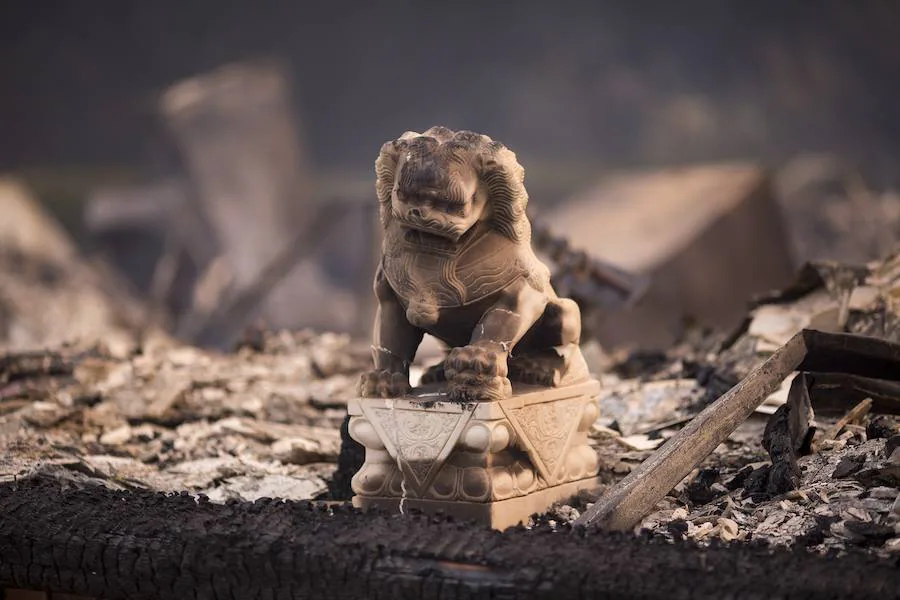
[(259, 422)]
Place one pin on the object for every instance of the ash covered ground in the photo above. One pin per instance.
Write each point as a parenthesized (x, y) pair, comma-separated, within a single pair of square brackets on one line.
[(264, 420), (91, 394)]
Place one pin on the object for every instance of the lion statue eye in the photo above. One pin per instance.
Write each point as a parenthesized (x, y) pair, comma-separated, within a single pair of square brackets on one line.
[(456, 208)]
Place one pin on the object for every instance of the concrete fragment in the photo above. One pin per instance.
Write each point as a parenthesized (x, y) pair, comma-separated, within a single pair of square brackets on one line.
[(711, 236)]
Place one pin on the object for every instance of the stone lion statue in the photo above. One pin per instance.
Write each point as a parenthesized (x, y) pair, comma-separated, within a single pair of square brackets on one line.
[(457, 263)]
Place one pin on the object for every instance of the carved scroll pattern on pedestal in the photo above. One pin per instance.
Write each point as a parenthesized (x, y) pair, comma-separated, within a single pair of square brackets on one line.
[(419, 441), (546, 431)]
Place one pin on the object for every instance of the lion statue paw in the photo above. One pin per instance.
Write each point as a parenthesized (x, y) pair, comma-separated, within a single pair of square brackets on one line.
[(476, 374)]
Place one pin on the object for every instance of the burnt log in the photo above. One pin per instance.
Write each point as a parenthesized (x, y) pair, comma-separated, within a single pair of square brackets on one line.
[(113, 544)]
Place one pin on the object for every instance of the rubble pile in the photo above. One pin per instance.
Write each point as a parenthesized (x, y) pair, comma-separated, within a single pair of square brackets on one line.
[(48, 292), (831, 213), (847, 490), (262, 421), (847, 494)]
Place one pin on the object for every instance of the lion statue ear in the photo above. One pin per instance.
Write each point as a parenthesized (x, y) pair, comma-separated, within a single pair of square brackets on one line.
[(386, 169), (504, 179)]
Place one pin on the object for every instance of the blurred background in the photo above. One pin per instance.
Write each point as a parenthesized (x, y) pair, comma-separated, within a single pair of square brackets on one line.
[(204, 167)]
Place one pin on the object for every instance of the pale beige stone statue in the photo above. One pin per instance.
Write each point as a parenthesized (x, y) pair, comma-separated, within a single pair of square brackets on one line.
[(457, 263), (498, 430)]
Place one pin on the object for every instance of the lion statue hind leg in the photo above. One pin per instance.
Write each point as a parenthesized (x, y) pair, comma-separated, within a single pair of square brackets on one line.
[(549, 354)]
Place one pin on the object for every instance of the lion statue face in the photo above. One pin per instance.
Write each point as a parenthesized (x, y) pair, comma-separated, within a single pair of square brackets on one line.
[(437, 195), (441, 183)]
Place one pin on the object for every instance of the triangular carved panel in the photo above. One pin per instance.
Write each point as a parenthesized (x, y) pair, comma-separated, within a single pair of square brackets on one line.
[(419, 440), (546, 432)]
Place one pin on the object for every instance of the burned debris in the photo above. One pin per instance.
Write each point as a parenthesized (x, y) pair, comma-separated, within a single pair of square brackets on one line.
[(783, 431), (814, 465), (170, 417)]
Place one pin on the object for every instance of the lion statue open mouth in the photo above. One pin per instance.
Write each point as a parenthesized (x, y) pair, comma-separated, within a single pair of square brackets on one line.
[(457, 263)]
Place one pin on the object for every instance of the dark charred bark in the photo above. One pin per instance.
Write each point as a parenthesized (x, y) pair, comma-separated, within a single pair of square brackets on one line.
[(788, 435), (785, 472), (14, 367), (107, 544)]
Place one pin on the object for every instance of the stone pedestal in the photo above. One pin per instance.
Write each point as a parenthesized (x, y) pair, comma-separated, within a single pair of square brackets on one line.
[(495, 462)]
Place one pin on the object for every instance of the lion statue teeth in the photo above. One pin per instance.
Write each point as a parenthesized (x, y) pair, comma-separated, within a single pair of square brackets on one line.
[(457, 263)]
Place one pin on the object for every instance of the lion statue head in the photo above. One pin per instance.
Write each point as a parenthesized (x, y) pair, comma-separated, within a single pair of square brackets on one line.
[(442, 183)]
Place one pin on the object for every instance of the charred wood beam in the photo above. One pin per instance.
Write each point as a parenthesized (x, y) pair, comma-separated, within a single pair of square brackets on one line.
[(851, 354), (833, 391), (592, 282), (113, 544), (164, 206), (788, 435)]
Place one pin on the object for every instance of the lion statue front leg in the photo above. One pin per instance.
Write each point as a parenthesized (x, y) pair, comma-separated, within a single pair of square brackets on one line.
[(394, 346)]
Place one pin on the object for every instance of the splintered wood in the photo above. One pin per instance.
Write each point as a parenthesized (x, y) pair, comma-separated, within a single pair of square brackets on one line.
[(853, 416)]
